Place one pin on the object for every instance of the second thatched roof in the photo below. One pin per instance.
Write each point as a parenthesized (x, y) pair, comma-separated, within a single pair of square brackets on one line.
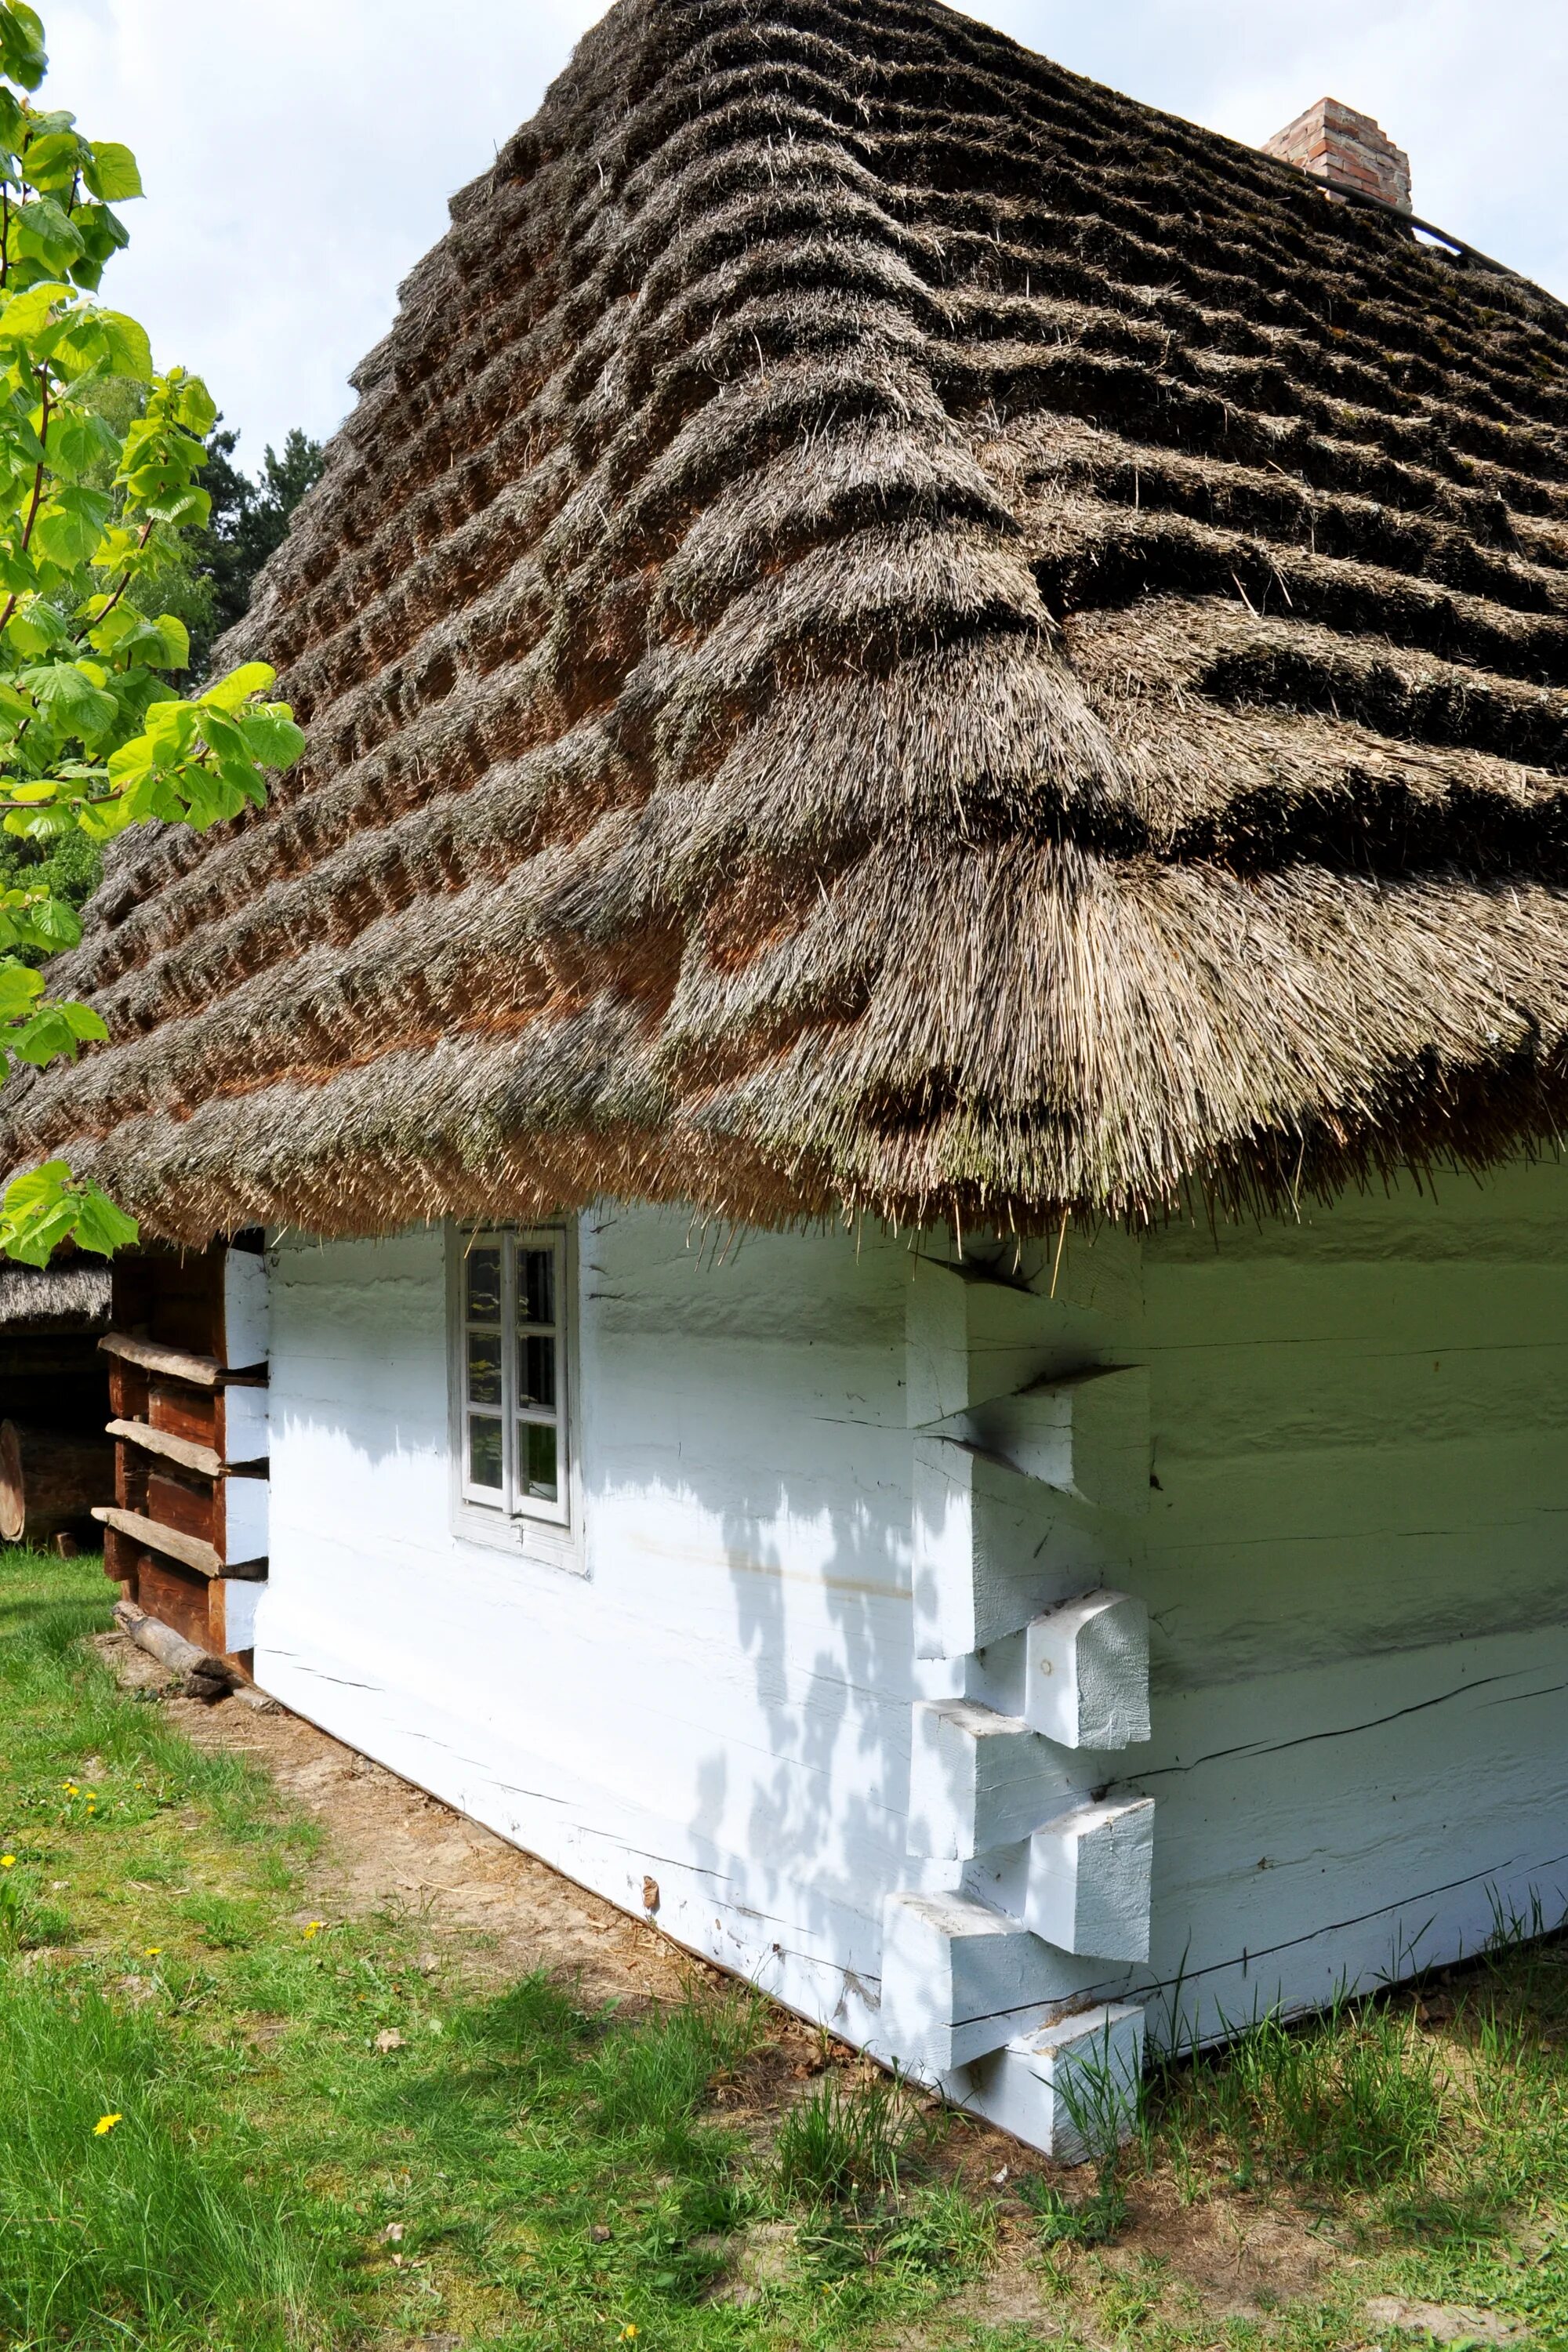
[(891, 631)]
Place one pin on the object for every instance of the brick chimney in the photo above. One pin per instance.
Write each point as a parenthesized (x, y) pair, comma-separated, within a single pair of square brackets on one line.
[(1335, 143)]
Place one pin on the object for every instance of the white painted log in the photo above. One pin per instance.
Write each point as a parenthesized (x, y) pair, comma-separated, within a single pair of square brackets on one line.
[(992, 1549), (245, 1311), (242, 1516), (1087, 1672), (1088, 1884), (958, 1980), (979, 1779), (1069, 2089), (243, 1424), (232, 1604), (986, 1327), (1087, 1434), (938, 1341)]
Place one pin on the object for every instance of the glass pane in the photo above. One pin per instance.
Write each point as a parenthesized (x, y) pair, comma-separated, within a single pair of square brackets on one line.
[(485, 1368), (536, 1452), (483, 1277), (536, 1285), (536, 1373), (485, 1454)]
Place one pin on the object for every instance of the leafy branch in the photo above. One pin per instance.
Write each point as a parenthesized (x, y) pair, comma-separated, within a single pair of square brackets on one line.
[(93, 735)]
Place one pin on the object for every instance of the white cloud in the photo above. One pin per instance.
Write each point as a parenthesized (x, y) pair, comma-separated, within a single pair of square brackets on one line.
[(299, 153)]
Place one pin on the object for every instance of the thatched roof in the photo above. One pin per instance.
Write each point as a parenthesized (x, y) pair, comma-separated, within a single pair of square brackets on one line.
[(892, 629), (71, 1296)]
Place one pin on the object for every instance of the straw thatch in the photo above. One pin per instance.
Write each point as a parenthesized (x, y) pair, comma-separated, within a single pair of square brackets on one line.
[(891, 630), (68, 1296)]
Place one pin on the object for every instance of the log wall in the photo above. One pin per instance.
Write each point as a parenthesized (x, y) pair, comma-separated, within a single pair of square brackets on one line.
[(825, 1529), (187, 1535)]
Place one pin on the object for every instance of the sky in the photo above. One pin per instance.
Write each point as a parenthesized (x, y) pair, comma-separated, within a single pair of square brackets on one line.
[(297, 154)]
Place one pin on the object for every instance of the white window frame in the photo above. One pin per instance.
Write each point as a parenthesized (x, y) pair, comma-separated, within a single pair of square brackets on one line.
[(538, 1530)]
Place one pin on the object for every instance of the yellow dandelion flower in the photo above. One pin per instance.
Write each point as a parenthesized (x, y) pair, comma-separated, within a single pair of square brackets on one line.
[(314, 1929), (70, 1788), (106, 2123), (7, 1862), (152, 1951), (93, 1795)]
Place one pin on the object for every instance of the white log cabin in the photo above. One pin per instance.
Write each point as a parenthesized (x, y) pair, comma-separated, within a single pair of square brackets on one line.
[(850, 1214)]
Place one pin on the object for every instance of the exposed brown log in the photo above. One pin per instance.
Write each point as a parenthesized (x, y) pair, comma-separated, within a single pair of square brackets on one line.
[(202, 1372), (204, 1677), (182, 1450), (49, 1480), (184, 1412), (188, 1550)]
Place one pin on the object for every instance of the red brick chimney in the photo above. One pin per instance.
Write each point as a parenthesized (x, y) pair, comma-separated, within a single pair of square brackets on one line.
[(1346, 149)]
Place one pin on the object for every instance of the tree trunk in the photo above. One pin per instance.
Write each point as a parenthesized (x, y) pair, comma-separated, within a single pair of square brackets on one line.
[(49, 1481)]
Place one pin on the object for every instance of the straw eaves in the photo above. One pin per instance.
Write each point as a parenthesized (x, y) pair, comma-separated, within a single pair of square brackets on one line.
[(892, 630)]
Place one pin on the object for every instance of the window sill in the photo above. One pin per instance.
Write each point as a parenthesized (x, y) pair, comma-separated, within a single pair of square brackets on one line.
[(533, 1539)]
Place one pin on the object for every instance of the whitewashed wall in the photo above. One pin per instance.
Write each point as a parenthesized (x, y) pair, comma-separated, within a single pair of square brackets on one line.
[(1354, 1558), (722, 1703), (1357, 1566)]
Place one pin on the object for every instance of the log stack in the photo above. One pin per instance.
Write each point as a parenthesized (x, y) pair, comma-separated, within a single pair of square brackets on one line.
[(186, 1535)]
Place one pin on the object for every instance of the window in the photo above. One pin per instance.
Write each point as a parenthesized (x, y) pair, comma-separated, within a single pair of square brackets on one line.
[(512, 1432)]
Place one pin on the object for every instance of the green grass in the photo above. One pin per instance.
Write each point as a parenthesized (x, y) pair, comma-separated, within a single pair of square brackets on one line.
[(323, 2142)]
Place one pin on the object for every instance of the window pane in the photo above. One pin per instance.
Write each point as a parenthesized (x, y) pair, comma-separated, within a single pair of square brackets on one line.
[(483, 1277), (536, 1453), (485, 1368), (536, 1285), (536, 1373), (485, 1454)]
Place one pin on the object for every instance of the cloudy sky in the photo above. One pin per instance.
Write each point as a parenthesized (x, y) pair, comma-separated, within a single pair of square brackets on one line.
[(299, 153)]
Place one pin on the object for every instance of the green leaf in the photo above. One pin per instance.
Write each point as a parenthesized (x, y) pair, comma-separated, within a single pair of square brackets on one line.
[(40, 1188), (101, 820), (24, 316), (100, 1225), (70, 699), (271, 736), (23, 57), (54, 925), (50, 1036), (128, 351), (69, 529), (42, 824), (44, 231), (195, 409), (53, 162), (176, 642), (35, 1244), (190, 508), (111, 172), (34, 628), (18, 988), (230, 692), (79, 440)]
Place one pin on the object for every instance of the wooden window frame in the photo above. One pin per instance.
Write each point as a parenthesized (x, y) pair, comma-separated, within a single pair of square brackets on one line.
[(550, 1532)]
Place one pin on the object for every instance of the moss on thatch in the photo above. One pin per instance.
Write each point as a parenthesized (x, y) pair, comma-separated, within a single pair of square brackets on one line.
[(892, 630)]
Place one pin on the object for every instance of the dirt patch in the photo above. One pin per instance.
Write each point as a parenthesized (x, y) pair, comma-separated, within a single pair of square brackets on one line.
[(492, 1914), (390, 1847), (1445, 2323)]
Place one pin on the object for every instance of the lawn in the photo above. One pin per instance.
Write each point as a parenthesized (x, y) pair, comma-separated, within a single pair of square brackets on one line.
[(224, 2124)]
